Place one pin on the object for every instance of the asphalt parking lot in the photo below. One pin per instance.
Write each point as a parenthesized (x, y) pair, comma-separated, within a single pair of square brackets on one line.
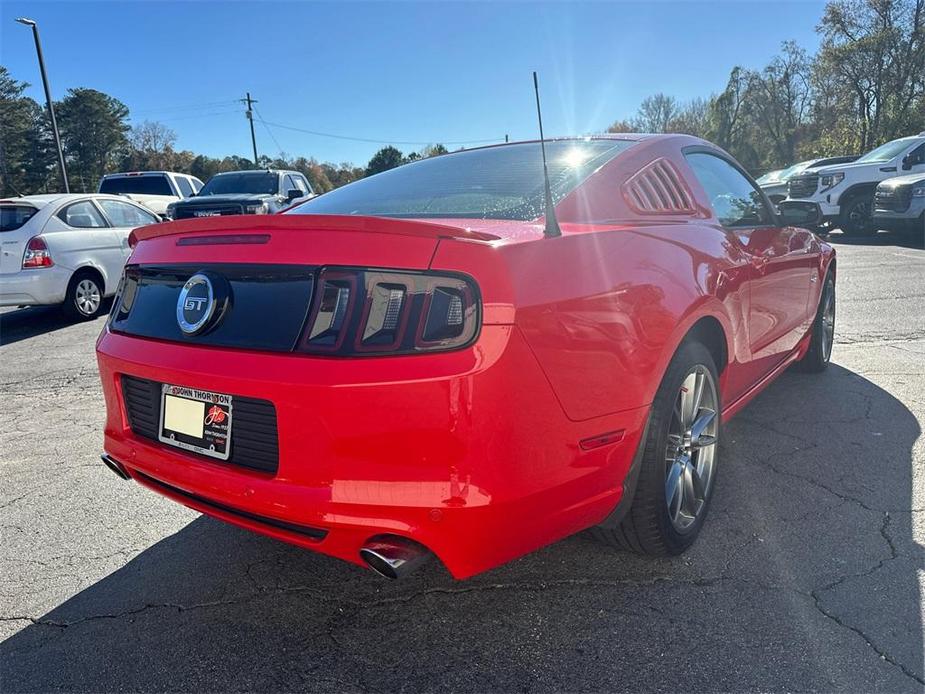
[(809, 574)]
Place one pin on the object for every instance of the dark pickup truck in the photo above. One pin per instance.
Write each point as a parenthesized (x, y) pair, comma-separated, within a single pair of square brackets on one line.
[(264, 191)]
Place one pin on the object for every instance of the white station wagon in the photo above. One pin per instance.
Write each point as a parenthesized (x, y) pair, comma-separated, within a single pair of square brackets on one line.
[(65, 249)]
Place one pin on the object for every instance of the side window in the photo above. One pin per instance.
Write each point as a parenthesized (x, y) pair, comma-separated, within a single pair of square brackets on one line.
[(185, 188), (82, 215), (289, 184), (916, 156), (302, 183), (735, 201), (197, 184), (121, 214)]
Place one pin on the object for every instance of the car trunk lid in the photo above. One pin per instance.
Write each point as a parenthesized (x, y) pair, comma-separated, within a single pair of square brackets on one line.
[(268, 267), (14, 233)]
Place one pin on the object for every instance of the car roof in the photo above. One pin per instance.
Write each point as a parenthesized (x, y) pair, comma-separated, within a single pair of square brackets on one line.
[(250, 171), (58, 198), (145, 173)]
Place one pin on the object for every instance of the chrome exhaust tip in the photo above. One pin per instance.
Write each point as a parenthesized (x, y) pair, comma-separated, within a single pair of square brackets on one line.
[(393, 556), (115, 466)]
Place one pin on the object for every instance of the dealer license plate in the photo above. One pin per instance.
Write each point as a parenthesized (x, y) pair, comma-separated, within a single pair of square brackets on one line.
[(196, 420)]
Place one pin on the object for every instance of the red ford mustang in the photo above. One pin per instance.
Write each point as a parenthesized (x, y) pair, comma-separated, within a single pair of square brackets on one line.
[(413, 365)]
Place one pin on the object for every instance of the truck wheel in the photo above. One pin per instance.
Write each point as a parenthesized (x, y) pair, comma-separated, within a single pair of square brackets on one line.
[(855, 218), (84, 297)]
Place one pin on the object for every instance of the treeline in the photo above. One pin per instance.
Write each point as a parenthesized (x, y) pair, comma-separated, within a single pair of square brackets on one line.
[(864, 86), (97, 139)]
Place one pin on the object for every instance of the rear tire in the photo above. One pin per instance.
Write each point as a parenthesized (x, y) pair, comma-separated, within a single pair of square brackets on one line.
[(679, 463), (84, 297), (855, 217), (819, 353)]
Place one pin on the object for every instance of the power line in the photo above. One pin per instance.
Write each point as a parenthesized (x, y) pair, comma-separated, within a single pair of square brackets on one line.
[(384, 141), (187, 107), (202, 115), (279, 147)]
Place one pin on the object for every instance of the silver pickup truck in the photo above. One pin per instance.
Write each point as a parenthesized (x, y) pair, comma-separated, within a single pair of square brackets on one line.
[(899, 203), (153, 189)]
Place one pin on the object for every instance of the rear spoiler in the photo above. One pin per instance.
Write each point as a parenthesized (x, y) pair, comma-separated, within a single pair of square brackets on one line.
[(308, 222)]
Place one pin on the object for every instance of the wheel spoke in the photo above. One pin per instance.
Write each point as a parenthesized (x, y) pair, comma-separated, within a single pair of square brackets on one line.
[(699, 439), (691, 394), (674, 494), (693, 489)]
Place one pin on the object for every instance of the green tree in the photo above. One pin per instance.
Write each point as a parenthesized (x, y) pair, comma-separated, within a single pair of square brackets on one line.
[(871, 70), (383, 160), (26, 154), (780, 101), (94, 131), (433, 151)]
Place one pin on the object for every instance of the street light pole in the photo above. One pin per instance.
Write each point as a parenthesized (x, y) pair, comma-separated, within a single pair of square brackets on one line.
[(51, 106)]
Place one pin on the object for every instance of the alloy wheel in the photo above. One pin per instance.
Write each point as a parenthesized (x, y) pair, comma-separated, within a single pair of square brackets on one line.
[(692, 438), (87, 297), (828, 322)]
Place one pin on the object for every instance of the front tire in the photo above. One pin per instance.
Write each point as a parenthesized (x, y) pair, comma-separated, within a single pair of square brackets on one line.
[(84, 297), (679, 463), (855, 218), (819, 353)]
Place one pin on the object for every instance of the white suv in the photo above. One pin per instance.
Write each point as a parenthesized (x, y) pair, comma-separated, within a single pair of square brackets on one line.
[(65, 250), (153, 189), (845, 192)]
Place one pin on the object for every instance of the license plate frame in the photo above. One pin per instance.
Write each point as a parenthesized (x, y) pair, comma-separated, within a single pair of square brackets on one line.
[(196, 420)]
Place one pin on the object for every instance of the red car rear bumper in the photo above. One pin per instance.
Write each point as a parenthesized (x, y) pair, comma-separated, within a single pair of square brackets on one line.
[(468, 452)]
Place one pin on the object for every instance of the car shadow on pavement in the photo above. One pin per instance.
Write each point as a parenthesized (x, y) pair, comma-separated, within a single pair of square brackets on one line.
[(805, 578), (24, 323), (903, 239)]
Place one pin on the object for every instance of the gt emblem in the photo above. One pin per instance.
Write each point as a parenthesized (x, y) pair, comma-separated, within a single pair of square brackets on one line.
[(201, 303)]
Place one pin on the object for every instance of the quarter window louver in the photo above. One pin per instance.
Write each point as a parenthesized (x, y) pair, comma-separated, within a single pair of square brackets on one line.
[(657, 188)]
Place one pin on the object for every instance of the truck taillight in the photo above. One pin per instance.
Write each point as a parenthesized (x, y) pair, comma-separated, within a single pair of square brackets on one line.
[(37, 254), (378, 312)]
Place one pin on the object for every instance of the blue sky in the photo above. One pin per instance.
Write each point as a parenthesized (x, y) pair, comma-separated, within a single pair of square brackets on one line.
[(426, 72)]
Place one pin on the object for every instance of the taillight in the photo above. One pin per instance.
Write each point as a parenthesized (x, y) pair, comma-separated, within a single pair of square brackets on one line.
[(368, 312), (37, 254)]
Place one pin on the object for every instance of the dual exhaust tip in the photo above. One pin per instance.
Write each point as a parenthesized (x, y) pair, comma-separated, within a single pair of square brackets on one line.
[(391, 556), (115, 466)]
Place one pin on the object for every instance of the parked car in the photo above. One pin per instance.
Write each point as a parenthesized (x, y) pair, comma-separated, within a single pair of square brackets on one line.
[(244, 192), (153, 189), (774, 183), (65, 249), (845, 192), (899, 204), (424, 362)]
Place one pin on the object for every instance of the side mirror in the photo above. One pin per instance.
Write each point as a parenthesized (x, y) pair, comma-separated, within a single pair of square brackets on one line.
[(293, 194), (907, 163), (799, 214)]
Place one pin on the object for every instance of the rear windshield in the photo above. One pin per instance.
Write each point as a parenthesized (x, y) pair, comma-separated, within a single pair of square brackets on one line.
[(14, 216), (503, 182), (250, 183), (137, 185)]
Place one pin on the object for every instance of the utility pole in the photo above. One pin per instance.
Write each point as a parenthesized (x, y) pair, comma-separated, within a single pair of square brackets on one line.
[(51, 107), (250, 117)]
